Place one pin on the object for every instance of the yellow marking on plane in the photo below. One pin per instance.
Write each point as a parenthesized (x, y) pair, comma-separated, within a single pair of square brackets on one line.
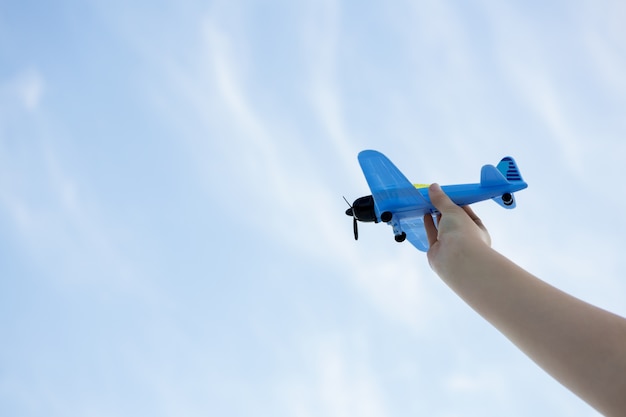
[(421, 185)]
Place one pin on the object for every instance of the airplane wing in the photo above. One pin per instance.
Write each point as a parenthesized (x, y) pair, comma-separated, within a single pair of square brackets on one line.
[(392, 191), (415, 232)]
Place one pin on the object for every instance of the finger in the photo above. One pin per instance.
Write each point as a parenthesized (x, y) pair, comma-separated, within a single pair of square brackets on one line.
[(470, 213), (440, 200), (431, 229), (473, 216)]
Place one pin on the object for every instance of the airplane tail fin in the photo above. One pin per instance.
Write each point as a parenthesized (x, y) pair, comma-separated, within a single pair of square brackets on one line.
[(506, 173), (508, 168)]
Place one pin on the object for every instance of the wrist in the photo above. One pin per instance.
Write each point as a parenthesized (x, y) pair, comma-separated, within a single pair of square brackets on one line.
[(461, 258)]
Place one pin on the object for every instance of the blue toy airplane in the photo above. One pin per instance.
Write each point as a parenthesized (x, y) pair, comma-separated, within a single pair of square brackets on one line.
[(402, 205)]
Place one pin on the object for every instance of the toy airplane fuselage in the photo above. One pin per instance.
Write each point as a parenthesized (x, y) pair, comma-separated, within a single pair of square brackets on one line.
[(402, 204)]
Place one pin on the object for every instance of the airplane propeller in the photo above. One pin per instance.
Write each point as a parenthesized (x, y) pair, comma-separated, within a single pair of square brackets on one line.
[(350, 212)]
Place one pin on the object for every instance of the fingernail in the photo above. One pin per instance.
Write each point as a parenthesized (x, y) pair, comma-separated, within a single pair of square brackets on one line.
[(435, 187)]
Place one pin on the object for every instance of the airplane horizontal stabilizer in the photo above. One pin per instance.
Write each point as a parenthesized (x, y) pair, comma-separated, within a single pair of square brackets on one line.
[(507, 201)]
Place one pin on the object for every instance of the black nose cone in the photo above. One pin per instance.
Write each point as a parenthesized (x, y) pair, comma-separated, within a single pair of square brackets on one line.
[(349, 212)]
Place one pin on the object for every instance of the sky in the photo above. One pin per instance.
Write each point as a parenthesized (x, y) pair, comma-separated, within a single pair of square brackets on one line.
[(172, 232)]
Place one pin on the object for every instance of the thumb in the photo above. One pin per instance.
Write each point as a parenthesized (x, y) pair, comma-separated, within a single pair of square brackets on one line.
[(440, 200)]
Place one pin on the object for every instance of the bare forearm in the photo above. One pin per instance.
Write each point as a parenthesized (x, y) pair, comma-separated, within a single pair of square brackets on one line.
[(580, 345)]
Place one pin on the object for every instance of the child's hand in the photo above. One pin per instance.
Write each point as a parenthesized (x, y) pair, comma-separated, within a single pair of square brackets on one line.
[(459, 228)]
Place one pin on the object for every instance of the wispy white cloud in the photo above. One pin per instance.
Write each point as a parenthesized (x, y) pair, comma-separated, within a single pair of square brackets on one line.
[(25, 89), (603, 37), (52, 213), (321, 36), (288, 190), (554, 70), (245, 155), (484, 382), (339, 382)]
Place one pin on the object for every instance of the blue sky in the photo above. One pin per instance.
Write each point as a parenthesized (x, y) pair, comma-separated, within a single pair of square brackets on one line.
[(172, 229)]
